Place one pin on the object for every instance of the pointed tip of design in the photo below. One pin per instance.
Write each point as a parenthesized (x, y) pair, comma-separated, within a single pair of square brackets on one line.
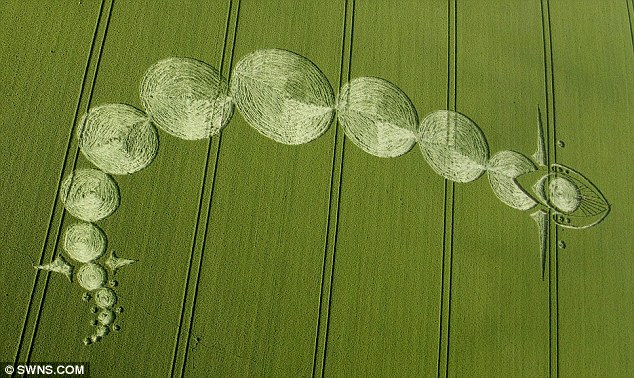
[(540, 154), (114, 263)]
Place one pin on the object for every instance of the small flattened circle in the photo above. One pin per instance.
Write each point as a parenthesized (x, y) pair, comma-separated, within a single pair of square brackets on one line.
[(90, 194), (84, 242), (106, 317), (105, 297), (102, 330), (91, 276)]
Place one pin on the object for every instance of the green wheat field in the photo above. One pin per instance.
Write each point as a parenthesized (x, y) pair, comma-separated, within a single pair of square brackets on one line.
[(255, 258)]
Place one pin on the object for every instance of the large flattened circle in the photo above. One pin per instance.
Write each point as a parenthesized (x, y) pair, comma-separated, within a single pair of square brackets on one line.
[(377, 116), (283, 95), (453, 145), (186, 97), (119, 139)]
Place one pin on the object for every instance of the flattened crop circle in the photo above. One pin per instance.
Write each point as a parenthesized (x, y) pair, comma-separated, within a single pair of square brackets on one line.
[(118, 138), (91, 276), (84, 242), (186, 97), (90, 194)]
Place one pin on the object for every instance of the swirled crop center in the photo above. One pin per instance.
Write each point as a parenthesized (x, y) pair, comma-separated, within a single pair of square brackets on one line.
[(105, 298), (91, 276), (106, 317)]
